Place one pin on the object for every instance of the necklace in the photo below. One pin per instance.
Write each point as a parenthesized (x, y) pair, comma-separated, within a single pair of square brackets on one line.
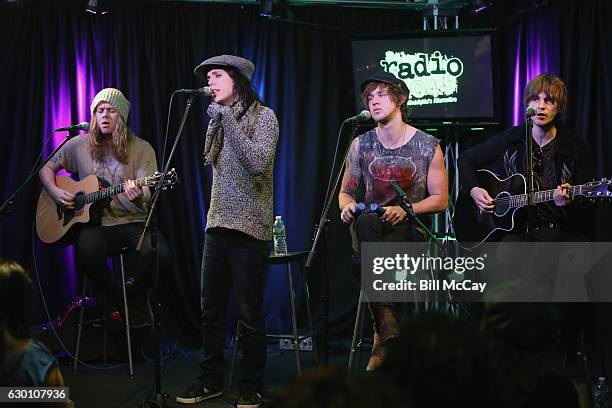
[(391, 160)]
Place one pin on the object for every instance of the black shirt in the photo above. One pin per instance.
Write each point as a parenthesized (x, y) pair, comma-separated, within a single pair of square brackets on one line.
[(568, 160)]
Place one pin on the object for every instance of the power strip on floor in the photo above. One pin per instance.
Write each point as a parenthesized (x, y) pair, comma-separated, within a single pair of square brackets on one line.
[(288, 344)]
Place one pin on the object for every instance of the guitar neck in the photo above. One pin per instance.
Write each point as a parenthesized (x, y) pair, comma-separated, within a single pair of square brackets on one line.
[(521, 200), (111, 191)]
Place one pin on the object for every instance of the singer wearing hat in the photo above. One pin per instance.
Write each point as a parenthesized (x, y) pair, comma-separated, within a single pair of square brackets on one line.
[(240, 146), (112, 152), (392, 152)]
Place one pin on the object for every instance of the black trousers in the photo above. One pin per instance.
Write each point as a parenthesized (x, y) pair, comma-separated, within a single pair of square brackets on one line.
[(371, 228), (233, 260), (95, 243), (569, 321)]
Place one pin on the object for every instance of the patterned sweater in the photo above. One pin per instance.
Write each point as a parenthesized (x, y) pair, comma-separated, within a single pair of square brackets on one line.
[(241, 152)]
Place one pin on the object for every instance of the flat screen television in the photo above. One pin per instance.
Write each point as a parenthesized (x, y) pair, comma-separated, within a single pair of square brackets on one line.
[(450, 74)]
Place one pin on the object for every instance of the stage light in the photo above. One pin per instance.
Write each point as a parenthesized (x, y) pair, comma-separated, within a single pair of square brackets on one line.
[(479, 6), (93, 7), (273, 9)]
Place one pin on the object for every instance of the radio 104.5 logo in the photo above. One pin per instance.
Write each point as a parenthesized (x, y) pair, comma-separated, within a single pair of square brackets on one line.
[(431, 78)]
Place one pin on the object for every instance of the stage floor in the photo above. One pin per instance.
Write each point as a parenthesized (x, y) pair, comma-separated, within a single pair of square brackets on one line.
[(110, 386)]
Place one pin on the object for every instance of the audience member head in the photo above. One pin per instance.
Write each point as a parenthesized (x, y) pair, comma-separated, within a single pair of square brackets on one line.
[(334, 387), (15, 302), (440, 361)]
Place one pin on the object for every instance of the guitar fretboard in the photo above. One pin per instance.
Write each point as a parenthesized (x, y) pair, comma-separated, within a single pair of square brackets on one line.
[(110, 191), (521, 200)]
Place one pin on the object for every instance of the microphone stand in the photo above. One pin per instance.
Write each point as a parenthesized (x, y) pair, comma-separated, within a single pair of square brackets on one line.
[(530, 174), (158, 399), (405, 204), (5, 208), (318, 231)]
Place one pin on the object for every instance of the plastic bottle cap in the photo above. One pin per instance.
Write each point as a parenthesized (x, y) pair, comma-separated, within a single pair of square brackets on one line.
[(278, 217)]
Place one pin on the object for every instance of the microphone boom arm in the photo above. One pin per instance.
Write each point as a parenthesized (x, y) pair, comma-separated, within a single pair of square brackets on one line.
[(406, 205)]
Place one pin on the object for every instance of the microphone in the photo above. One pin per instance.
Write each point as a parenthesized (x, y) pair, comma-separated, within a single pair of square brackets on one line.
[(529, 112), (206, 91), (80, 126), (363, 116)]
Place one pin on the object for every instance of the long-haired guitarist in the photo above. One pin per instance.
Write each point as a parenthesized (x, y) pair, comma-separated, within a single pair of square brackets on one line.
[(560, 159), (113, 153)]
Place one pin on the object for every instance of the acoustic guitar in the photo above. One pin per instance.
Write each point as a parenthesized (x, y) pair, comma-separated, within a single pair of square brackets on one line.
[(509, 195), (56, 224)]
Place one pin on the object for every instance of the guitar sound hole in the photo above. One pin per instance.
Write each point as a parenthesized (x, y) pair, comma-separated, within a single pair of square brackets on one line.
[(501, 204)]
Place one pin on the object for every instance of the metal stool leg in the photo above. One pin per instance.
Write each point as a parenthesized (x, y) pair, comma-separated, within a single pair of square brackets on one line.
[(296, 337), (356, 332), (127, 318), (80, 326), (230, 378), (309, 313), (104, 337)]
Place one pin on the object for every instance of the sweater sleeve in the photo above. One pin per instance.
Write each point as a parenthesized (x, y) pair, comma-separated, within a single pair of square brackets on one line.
[(257, 152)]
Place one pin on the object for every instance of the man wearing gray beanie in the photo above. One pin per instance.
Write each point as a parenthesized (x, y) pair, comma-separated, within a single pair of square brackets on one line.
[(113, 153), (240, 145)]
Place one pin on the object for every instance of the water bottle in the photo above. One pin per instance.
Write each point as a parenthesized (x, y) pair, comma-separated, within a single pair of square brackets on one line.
[(280, 236), (600, 393)]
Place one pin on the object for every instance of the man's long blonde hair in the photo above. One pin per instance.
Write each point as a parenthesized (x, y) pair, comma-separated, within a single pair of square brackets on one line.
[(121, 139)]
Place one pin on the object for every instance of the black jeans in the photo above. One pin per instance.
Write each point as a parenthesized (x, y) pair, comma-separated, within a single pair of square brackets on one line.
[(95, 243), (567, 320), (371, 228), (232, 259)]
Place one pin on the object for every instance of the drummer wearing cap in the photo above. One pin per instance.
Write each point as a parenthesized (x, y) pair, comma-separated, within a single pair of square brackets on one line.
[(240, 145), (393, 151)]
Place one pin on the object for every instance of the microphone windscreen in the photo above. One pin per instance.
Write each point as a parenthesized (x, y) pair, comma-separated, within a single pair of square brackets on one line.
[(529, 112)]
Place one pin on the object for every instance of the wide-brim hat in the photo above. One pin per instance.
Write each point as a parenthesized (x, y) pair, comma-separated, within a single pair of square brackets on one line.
[(243, 65), (386, 78)]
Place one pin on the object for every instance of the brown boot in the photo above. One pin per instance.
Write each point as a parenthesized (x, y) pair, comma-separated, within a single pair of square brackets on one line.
[(378, 353), (388, 329), (387, 324)]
